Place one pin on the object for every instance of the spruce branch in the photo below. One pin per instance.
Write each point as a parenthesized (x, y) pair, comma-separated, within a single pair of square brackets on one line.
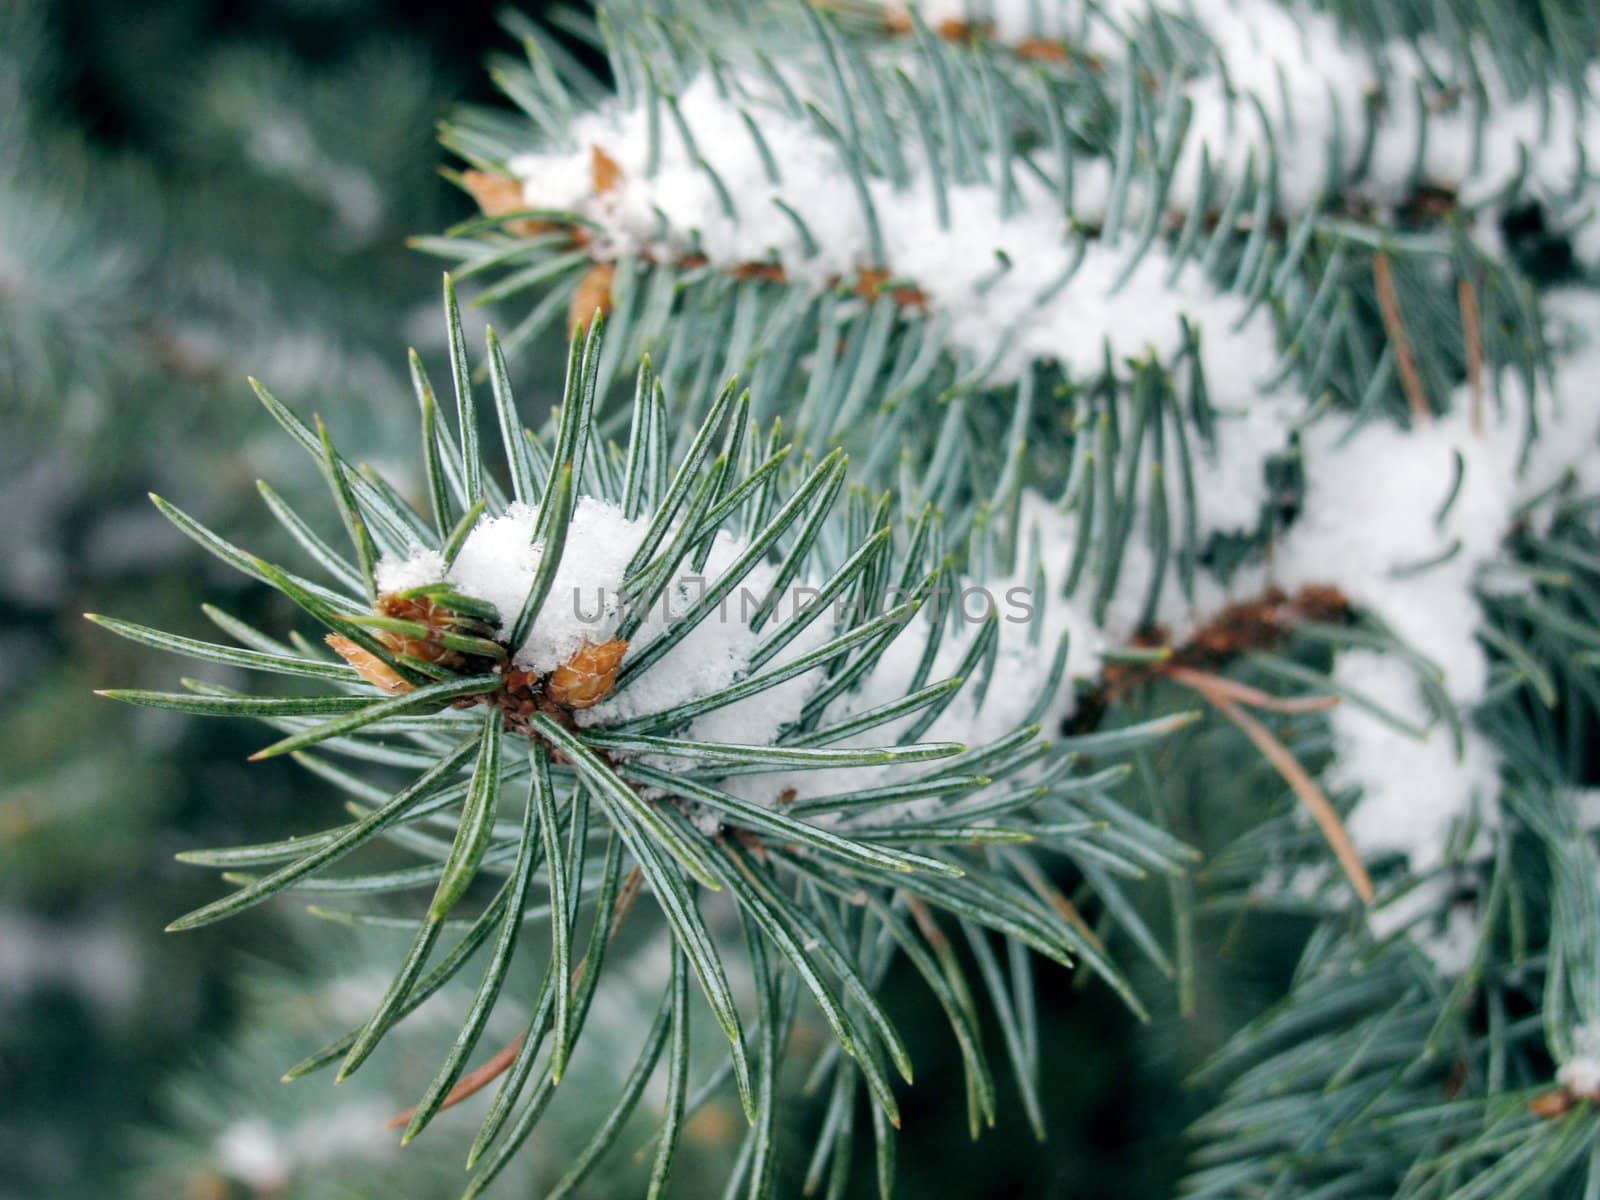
[(445, 673), (1204, 325)]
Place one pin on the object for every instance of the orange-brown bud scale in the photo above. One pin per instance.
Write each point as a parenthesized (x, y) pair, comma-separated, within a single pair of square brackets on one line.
[(589, 676), (873, 281), (1552, 1104), (585, 679), (424, 612), (1036, 49), (593, 296), (498, 195), (369, 666), (760, 272), (604, 172)]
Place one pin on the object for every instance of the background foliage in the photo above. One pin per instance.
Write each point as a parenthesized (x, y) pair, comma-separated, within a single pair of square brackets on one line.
[(190, 187), (197, 190)]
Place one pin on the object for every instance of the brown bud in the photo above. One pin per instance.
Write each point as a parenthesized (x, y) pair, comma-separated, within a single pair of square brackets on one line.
[(1319, 602), (1038, 49), (593, 295), (603, 171), (751, 841), (872, 281), (1551, 1104), (953, 29), (500, 194), (764, 272), (495, 194), (437, 619), (588, 676), (369, 666)]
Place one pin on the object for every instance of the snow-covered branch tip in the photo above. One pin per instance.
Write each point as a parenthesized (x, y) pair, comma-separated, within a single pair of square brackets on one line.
[(719, 670)]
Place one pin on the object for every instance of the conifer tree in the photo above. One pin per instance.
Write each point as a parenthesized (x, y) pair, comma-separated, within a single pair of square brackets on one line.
[(1032, 483)]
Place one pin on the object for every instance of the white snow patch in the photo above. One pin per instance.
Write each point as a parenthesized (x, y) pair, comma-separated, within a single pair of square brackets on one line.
[(1315, 85), (1030, 626), (1371, 513), (1580, 1074), (715, 653), (1371, 523), (1414, 792), (1446, 933), (991, 275), (497, 563), (1379, 522), (1569, 418), (498, 560), (402, 574), (986, 274)]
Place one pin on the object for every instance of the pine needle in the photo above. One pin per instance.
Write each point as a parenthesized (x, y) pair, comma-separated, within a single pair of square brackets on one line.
[(498, 1063), (469, 1084), (1296, 776), (1472, 327), (1405, 358), (1245, 694), (1057, 899)]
